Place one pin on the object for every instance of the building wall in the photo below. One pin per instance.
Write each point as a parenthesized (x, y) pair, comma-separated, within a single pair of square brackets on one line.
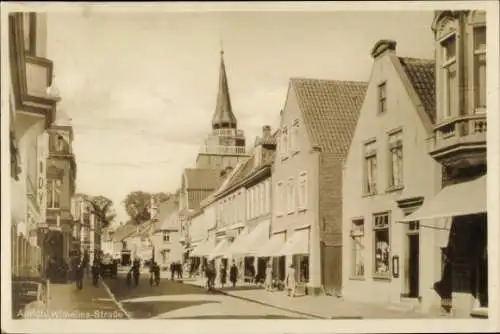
[(420, 173), (330, 220), (289, 166), (173, 247)]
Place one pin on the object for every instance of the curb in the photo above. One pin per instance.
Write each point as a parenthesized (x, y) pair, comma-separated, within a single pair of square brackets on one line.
[(315, 316)]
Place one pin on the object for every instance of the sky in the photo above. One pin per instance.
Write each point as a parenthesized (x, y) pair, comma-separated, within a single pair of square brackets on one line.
[(140, 87)]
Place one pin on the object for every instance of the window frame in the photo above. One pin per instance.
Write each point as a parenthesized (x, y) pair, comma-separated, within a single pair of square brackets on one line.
[(166, 236), (382, 98), (52, 190), (302, 196), (290, 196), (295, 137), (393, 145), (369, 154), (29, 37), (479, 57), (375, 229), (279, 199), (355, 223), (446, 65), (284, 143)]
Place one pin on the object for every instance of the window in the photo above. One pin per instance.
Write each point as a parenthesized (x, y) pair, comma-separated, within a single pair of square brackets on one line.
[(29, 32), (262, 199), (302, 191), (480, 67), (166, 236), (290, 196), (396, 156), (294, 138), (357, 235), (284, 142), (382, 98), (248, 203), (450, 85), (54, 194), (370, 169), (279, 198), (267, 201), (381, 243)]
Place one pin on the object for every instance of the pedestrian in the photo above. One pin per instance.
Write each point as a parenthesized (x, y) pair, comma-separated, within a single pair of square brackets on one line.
[(95, 271), (223, 275), (79, 269), (233, 274), (172, 270), (290, 281), (136, 266), (269, 276), (179, 270)]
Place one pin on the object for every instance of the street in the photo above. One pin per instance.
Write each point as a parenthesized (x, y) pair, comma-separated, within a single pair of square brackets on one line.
[(178, 300)]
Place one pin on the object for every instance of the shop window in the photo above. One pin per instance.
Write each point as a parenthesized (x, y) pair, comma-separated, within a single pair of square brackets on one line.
[(303, 268), (381, 244), (357, 236), (480, 67), (396, 163)]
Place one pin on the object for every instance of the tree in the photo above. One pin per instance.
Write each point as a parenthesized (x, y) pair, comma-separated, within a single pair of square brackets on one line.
[(102, 207), (137, 204)]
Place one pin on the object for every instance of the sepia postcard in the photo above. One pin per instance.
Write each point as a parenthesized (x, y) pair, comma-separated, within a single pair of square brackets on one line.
[(243, 167)]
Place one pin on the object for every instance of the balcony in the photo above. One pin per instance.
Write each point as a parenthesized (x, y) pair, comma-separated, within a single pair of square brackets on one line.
[(460, 142), (223, 150), (228, 132)]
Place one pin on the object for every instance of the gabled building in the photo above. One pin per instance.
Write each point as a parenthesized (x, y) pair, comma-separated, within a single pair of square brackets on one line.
[(316, 127), (388, 174), (166, 233), (458, 144)]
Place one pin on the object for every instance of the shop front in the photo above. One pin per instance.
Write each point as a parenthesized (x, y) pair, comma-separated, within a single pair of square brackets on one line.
[(246, 251), (296, 252), (461, 281)]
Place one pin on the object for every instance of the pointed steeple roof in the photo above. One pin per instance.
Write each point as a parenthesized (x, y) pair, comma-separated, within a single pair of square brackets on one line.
[(223, 115)]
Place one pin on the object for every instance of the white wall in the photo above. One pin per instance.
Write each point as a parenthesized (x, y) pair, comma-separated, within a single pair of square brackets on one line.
[(419, 173)]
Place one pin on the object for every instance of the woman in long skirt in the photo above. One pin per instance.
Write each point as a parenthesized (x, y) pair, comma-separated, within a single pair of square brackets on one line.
[(269, 276), (223, 276)]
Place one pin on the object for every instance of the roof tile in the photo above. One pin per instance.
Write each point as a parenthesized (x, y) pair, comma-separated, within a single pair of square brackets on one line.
[(421, 73), (330, 110), (202, 178)]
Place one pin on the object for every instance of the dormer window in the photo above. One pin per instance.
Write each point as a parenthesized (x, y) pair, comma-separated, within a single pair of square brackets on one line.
[(450, 78), (480, 68)]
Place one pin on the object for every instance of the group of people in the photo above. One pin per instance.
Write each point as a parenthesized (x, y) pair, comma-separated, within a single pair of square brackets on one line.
[(211, 273), (176, 270)]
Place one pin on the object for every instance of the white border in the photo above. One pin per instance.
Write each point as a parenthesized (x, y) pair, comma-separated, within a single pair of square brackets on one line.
[(266, 326)]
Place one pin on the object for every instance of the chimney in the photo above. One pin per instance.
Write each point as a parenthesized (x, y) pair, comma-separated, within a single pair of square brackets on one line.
[(383, 47), (266, 131)]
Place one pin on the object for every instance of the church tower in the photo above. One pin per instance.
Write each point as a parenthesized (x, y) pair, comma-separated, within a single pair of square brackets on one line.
[(225, 145)]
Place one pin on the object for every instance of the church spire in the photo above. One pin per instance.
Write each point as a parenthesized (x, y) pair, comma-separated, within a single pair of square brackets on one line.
[(223, 115)]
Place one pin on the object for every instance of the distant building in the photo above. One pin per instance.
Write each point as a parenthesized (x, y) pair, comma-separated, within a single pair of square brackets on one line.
[(225, 145)]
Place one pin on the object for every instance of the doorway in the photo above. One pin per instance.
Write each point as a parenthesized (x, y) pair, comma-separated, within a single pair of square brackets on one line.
[(413, 265)]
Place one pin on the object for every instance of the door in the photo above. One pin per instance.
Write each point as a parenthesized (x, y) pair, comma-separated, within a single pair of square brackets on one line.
[(413, 265)]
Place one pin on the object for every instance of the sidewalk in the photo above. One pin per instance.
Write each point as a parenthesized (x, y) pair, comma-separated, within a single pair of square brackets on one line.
[(320, 307)]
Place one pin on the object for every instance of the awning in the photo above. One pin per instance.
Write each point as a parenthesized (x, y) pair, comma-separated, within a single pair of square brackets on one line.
[(460, 199), (203, 249), (238, 241), (273, 245), (253, 242), (297, 244), (220, 249)]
